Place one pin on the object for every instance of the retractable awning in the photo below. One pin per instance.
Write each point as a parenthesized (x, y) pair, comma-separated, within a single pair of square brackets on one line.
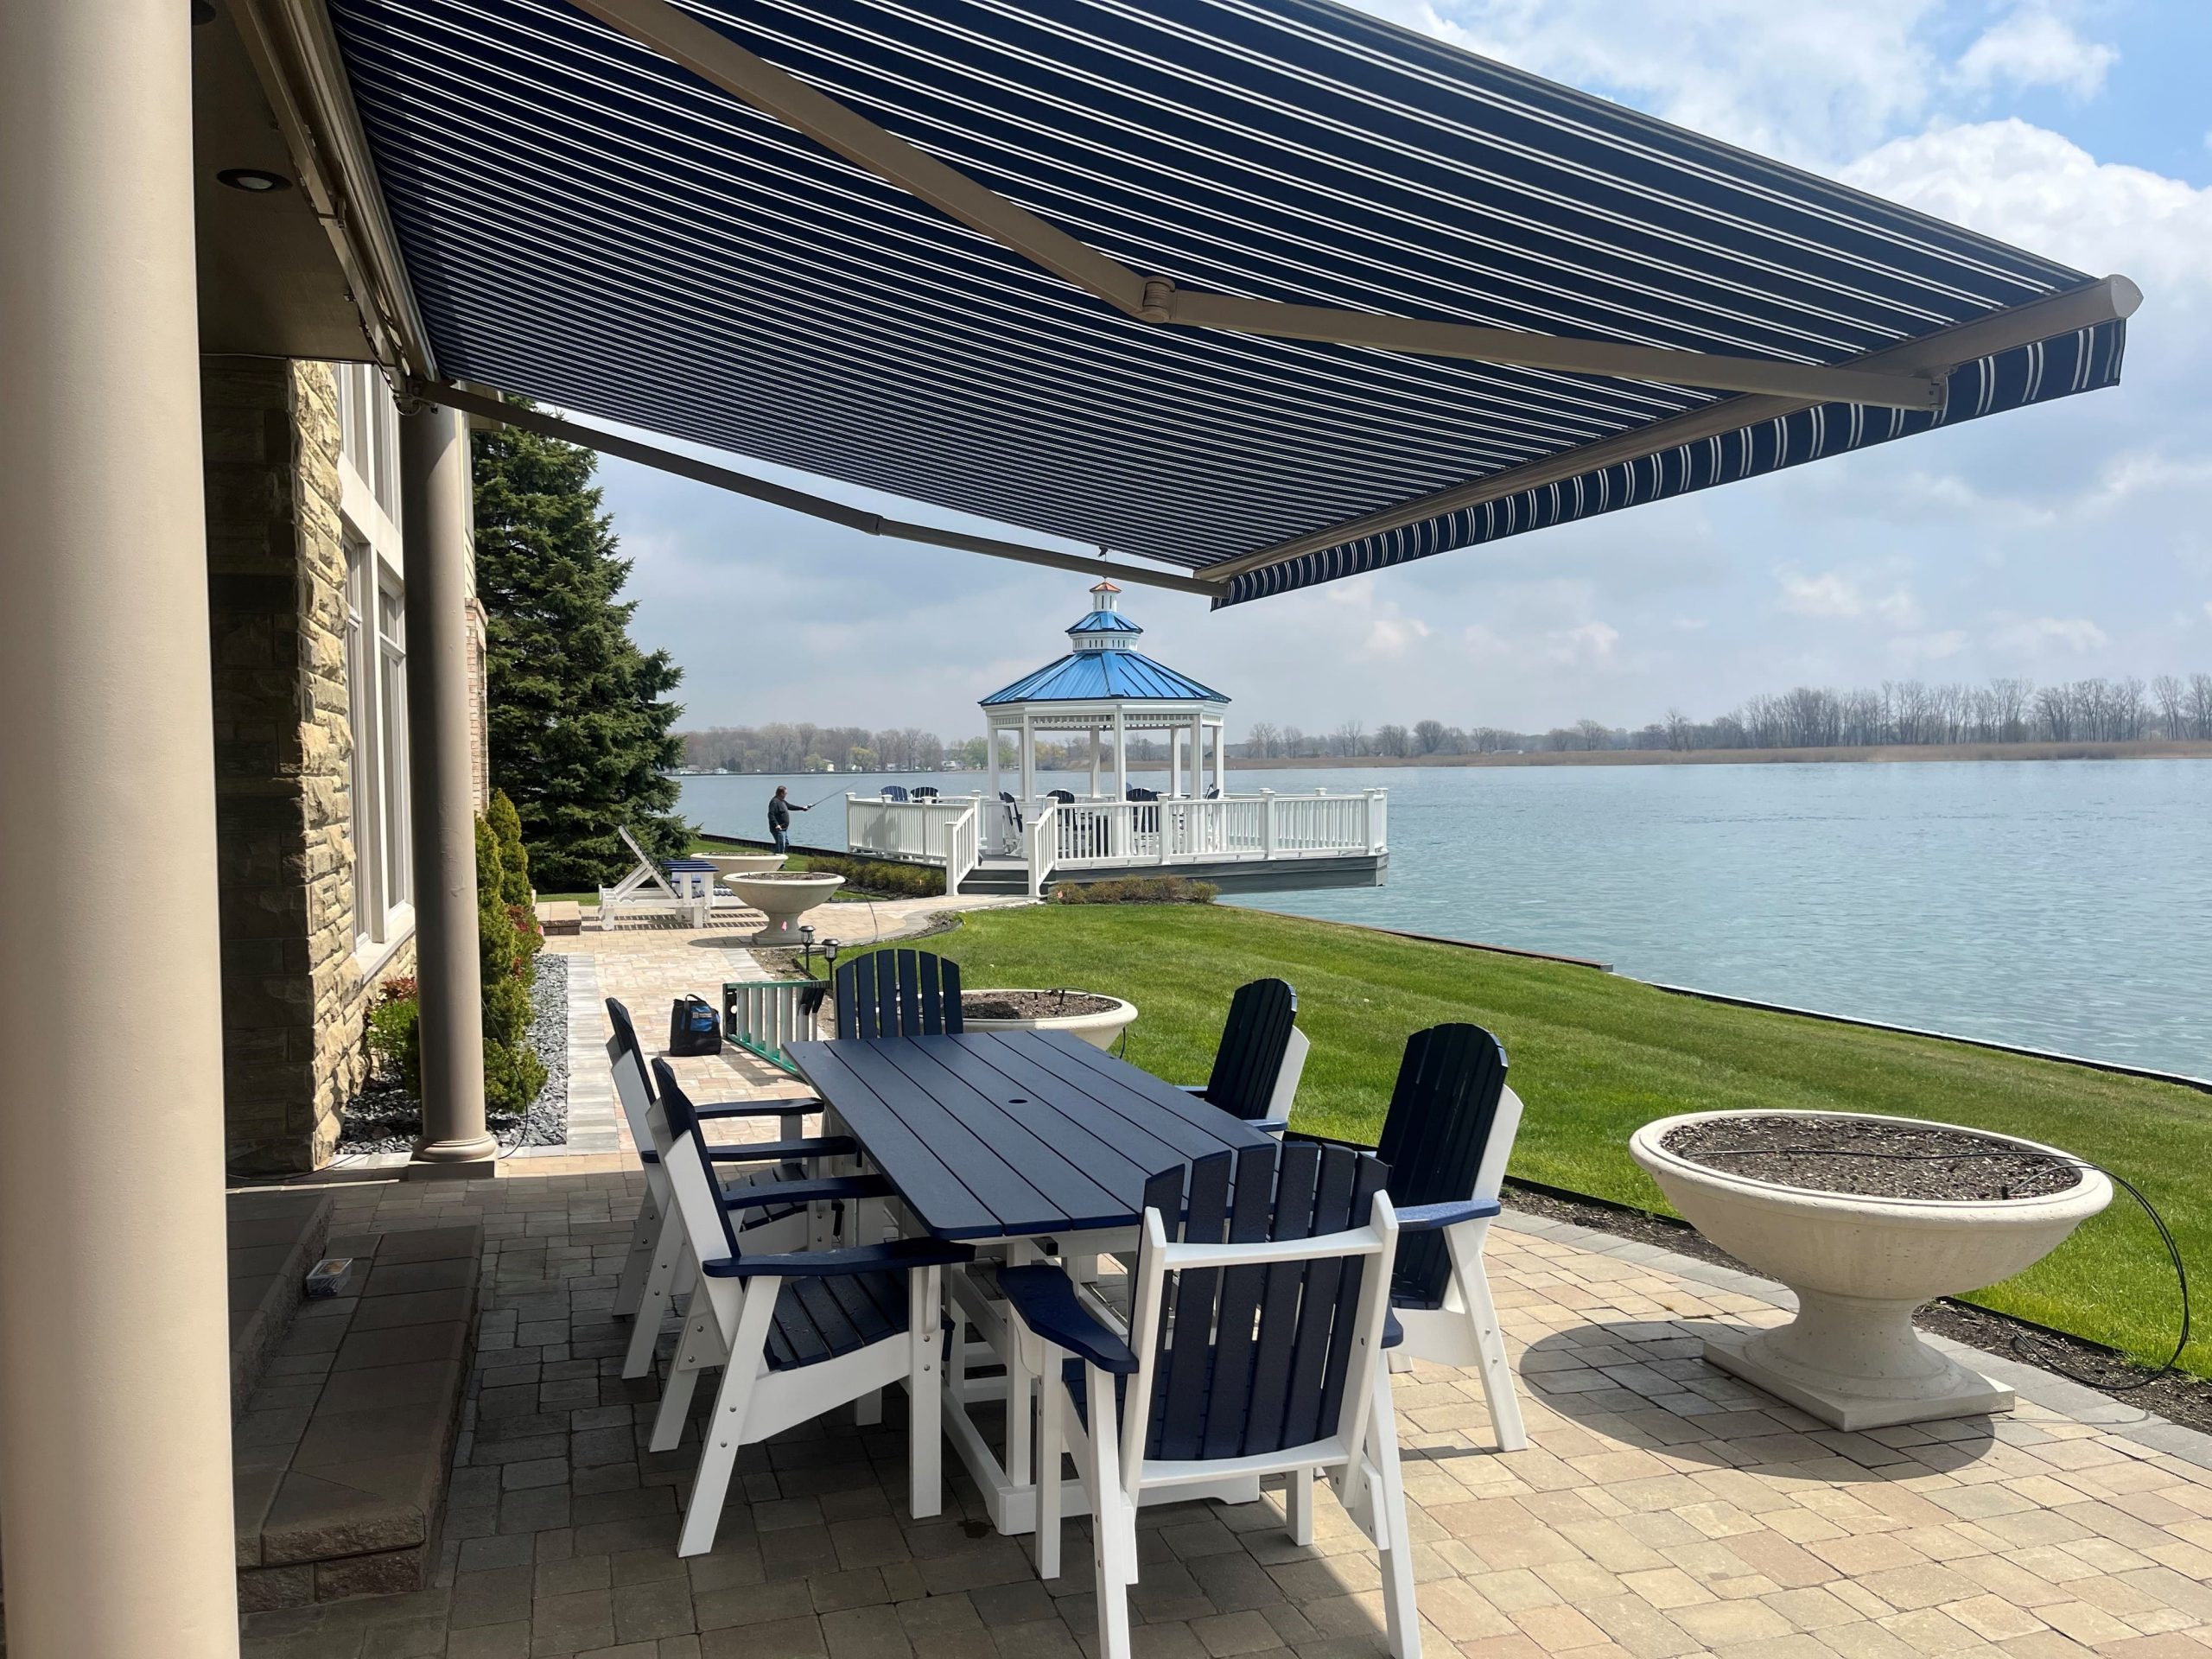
[(1261, 292)]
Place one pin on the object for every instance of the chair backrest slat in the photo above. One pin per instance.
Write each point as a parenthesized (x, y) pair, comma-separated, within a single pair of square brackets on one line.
[(1296, 1178), (1254, 1359), (898, 994), (685, 1158), (1443, 1114), (1253, 1043)]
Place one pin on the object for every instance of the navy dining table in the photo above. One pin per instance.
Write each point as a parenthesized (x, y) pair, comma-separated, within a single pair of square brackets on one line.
[(1001, 1139), (1012, 1133)]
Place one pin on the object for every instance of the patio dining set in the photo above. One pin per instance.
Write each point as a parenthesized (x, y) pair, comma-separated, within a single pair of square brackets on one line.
[(1166, 1284)]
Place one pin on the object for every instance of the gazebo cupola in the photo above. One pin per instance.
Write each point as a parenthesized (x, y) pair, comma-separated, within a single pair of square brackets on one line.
[(1108, 687)]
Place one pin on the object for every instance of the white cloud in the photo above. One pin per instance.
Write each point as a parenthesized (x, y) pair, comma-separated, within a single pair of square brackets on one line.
[(2035, 48), (1585, 645), (1393, 636), (1833, 594), (2028, 635)]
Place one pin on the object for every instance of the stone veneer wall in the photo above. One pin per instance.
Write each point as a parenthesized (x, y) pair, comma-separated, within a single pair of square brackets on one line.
[(293, 998)]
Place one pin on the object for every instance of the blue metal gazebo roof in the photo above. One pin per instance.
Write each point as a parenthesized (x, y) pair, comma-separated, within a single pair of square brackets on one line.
[(1105, 676), (1102, 668), (585, 222)]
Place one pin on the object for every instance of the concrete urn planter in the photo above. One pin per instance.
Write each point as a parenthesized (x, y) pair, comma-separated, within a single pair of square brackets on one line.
[(729, 864), (1860, 1266), (1099, 1029), (783, 897)]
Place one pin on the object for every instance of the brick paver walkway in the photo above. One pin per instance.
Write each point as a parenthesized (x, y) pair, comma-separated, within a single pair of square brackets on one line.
[(1662, 1509)]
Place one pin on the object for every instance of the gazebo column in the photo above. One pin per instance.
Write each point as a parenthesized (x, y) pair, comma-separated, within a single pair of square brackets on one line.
[(1028, 760), (1174, 761), (1197, 757), (1221, 757), (1121, 756), (1094, 762), (115, 1388)]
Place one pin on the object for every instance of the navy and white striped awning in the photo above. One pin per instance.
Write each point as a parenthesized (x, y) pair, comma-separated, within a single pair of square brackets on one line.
[(585, 223)]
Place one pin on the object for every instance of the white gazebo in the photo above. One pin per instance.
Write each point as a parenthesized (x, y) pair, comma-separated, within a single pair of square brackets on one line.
[(1106, 687)]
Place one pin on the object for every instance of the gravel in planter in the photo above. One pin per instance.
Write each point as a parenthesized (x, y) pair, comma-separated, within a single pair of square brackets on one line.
[(1871, 1158), (384, 1117), (1032, 1005)]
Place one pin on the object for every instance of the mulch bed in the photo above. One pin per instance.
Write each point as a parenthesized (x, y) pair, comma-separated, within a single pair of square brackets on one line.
[(2176, 1397), (1871, 1157), (1031, 1004)]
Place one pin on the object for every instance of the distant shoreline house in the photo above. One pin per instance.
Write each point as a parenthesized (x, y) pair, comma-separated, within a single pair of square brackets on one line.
[(307, 586)]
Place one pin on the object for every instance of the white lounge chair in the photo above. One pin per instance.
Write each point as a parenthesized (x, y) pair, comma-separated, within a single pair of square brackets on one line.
[(644, 892)]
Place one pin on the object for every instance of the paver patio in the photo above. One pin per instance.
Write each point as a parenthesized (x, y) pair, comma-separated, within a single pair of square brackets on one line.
[(1662, 1510)]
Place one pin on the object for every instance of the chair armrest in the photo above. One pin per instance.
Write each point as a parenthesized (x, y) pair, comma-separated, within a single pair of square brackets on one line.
[(899, 1255), (792, 1106), (830, 1188), (777, 1152), (1043, 1299), (1325, 1140), (1424, 1217), (1277, 1127), (1191, 1088)]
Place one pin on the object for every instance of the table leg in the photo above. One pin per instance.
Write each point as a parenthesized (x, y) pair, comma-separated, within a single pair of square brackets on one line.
[(1019, 1386)]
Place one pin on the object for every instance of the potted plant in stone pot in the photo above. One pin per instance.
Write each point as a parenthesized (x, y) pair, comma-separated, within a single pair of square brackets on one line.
[(1865, 1218), (1096, 1018)]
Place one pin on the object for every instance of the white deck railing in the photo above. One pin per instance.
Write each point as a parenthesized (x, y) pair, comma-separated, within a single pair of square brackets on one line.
[(1107, 834)]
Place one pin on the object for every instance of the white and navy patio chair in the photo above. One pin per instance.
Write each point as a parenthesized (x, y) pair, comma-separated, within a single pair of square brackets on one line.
[(795, 1334), (785, 1193), (1446, 1139), (645, 891), (1253, 1349), (1261, 1057), (925, 793), (894, 792)]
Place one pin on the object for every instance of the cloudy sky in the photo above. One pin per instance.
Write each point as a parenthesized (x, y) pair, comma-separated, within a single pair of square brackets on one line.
[(2071, 539)]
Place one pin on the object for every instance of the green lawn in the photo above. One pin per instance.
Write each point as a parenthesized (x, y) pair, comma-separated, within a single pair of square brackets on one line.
[(1594, 1057)]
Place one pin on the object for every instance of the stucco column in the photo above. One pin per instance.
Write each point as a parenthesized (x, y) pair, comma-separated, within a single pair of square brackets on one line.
[(434, 486), (115, 1401)]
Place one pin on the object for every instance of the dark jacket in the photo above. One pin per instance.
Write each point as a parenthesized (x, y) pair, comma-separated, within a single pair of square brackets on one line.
[(779, 813)]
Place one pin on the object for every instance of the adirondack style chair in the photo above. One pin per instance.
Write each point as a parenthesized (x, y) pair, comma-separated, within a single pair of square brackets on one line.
[(898, 994), (894, 793), (1254, 1348), (1065, 797), (783, 1191), (796, 1334), (644, 891), (1261, 1056), (1447, 1138), (1010, 841), (925, 793)]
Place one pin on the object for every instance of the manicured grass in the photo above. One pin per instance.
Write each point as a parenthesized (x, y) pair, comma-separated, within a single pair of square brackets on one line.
[(1594, 1057)]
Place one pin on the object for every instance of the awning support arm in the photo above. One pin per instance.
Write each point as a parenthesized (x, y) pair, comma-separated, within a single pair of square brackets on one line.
[(490, 408), (2105, 299), (721, 61)]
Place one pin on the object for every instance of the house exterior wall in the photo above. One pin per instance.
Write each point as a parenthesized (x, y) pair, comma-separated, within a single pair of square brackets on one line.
[(286, 508)]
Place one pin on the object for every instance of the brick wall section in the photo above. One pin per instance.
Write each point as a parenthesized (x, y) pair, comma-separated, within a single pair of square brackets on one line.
[(294, 999)]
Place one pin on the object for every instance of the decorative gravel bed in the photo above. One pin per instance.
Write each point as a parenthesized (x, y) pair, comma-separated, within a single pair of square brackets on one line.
[(1031, 1004), (384, 1117), (1867, 1157)]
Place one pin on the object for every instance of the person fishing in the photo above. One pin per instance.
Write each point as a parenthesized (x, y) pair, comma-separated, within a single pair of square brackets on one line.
[(781, 808)]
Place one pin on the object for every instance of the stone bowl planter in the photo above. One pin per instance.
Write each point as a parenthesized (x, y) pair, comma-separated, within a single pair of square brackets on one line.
[(782, 896), (1860, 1266), (728, 864), (1099, 1027)]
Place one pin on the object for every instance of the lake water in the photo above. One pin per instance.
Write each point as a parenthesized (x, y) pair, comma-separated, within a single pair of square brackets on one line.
[(2059, 904)]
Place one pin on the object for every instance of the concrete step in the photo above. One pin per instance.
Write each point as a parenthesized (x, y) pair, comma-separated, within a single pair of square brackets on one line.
[(340, 1463), (274, 1238)]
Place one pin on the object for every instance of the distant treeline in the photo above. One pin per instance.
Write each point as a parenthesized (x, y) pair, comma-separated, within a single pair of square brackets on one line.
[(806, 747), (1901, 712)]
